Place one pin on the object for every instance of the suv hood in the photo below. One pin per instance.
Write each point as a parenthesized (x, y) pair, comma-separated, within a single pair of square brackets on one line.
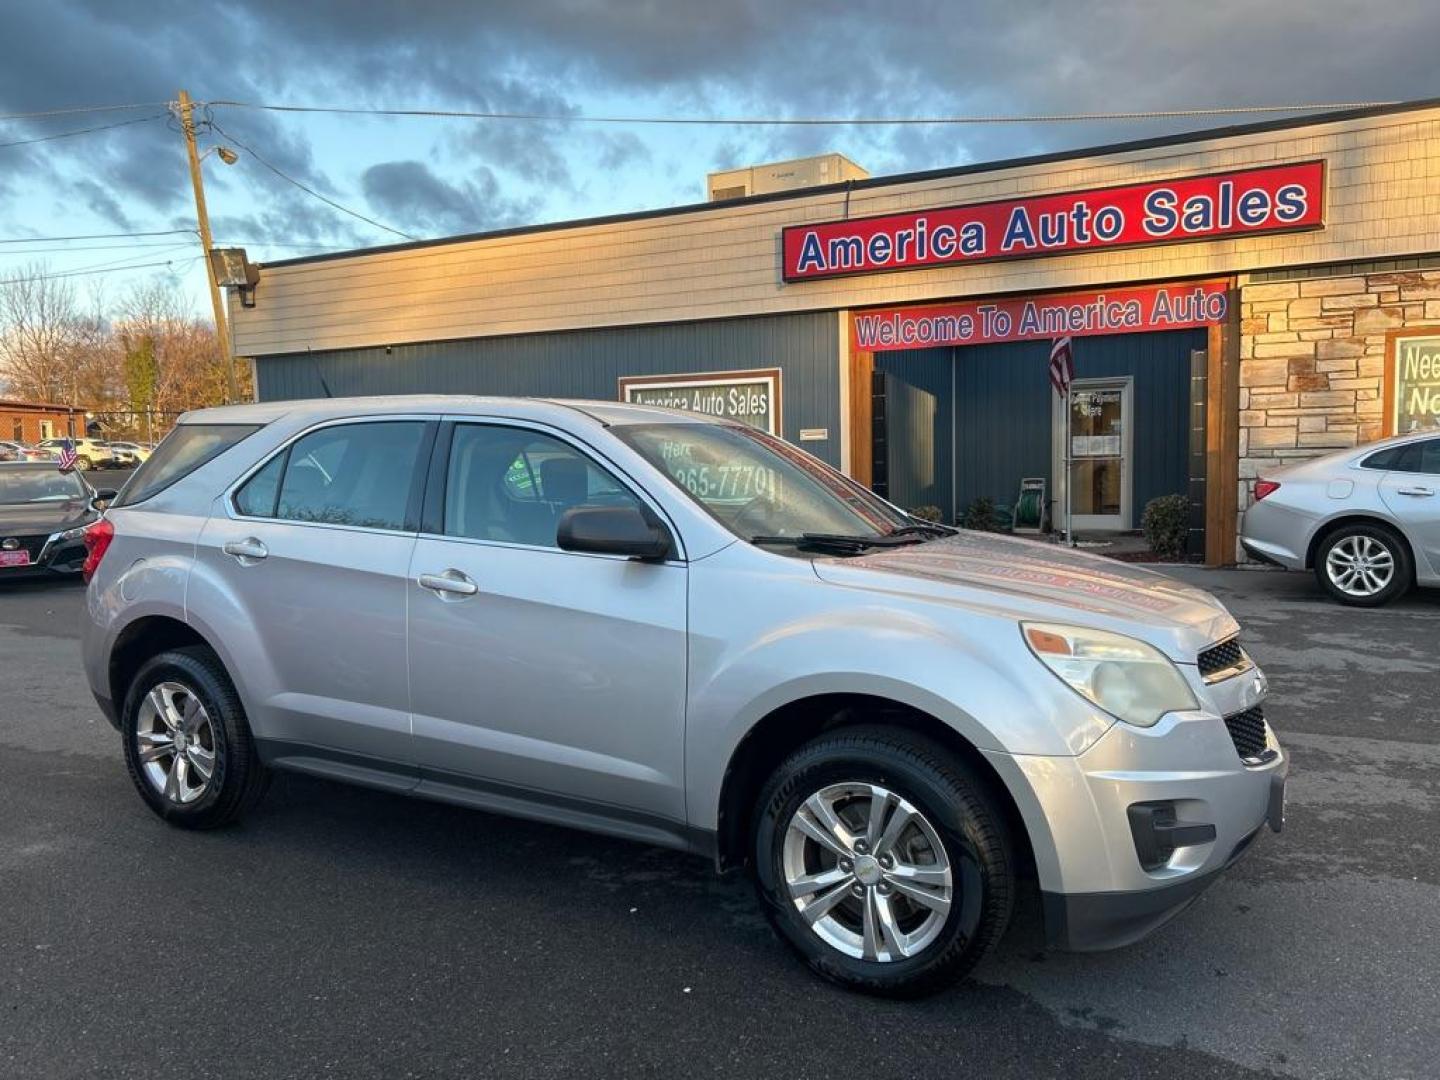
[(1028, 579)]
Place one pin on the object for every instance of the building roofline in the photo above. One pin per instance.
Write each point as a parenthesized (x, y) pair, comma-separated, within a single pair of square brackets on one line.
[(41, 406), (1180, 139)]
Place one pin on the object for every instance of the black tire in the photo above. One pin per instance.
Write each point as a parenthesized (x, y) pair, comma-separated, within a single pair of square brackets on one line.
[(238, 779), (84, 464), (963, 812), (1402, 576)]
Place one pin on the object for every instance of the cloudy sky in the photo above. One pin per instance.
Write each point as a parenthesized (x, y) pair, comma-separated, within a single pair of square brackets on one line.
[(579, 58)]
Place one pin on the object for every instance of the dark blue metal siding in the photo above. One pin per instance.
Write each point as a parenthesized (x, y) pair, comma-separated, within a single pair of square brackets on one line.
[(588, 364), (920, 417), (1003, 411)]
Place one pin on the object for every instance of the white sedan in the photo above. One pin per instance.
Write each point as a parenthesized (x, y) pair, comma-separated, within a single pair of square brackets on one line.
[(1365, 519)]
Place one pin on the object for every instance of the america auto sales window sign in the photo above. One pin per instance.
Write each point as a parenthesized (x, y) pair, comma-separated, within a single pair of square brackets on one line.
[(1277, 198)]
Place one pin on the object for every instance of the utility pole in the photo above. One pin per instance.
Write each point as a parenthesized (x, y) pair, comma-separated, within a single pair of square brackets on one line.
[(222, 326)]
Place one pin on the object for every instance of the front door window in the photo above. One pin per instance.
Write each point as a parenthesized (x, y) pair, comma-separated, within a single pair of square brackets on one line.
[(1099, 435)]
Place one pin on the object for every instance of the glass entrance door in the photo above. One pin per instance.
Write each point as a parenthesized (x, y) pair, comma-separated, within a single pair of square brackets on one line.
[(1100, 453)]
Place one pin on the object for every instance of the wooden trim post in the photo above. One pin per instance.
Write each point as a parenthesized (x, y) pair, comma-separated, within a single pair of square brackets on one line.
[(1222, 436)]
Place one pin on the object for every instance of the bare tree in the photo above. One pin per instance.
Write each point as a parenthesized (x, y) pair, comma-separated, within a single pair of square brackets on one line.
[(138, 370), (41, 335)]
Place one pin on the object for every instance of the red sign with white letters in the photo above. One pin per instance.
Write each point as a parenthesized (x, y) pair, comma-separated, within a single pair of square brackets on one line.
[(1130, 310), (1278, 198)]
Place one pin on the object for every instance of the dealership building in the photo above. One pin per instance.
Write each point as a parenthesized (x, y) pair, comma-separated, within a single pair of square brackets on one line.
[(1234, 299)]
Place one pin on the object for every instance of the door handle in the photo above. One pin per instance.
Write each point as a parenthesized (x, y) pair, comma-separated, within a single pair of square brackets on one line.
[(450, 583), (1415, 492), (247, 551)]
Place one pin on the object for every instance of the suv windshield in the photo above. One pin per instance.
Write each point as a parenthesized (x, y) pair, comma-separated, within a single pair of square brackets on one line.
[(761, 488)]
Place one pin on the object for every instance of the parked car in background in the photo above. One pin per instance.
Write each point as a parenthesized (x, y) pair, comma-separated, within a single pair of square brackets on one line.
[(1366, 520), (128, 454), (18, 451), (91, 453), (44, 514), (681, 630)]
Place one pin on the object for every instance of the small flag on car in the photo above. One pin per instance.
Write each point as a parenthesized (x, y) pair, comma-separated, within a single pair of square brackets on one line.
[(1062, 365), (68, 456)]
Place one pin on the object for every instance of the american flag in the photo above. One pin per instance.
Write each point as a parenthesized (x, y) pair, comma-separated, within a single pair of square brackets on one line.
[(1062, 365), (68, 456)]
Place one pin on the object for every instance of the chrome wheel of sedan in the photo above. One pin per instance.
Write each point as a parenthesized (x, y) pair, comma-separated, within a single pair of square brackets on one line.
[(867, 872), (176, 742), (1360, 565)]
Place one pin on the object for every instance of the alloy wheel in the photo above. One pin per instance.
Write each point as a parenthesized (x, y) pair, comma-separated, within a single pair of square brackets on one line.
[(867, 872), (1360, 565), (176, 742)]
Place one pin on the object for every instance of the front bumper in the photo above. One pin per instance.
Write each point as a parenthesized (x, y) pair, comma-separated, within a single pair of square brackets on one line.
[(1128, 833), (1092, 922)]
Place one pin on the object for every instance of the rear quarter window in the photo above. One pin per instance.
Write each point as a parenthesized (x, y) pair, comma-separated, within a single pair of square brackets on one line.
[(181, 452)]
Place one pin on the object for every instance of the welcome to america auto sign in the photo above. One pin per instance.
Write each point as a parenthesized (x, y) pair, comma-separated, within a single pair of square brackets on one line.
[(1277, 198)]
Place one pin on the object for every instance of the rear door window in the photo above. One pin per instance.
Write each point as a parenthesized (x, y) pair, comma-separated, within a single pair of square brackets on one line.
[(183, 451), (362, 475)]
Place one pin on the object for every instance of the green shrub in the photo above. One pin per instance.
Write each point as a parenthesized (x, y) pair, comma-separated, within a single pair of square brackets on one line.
[(981, 516), (1166, 525), (926, 513)]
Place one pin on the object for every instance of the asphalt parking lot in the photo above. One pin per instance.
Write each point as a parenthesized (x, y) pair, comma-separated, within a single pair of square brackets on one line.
[(349, 933)]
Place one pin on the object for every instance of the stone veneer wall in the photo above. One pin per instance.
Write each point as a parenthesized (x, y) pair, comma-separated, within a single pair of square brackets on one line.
[(1312, 361)]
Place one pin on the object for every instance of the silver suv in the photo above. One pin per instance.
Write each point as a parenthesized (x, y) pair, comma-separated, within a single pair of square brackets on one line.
[(682, 631)]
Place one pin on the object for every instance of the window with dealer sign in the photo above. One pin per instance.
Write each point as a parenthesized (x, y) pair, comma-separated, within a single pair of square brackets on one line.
[(1414, 398)]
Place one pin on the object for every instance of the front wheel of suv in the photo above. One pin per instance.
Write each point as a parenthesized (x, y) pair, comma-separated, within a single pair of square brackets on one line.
[(883, 860), (187, 742)]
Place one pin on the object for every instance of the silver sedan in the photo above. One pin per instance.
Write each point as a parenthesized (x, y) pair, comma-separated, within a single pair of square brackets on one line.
[(1366, 519)]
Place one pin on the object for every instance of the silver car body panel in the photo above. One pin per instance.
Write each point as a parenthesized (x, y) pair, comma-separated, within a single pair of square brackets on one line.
[(613, 695), (1283, 526)]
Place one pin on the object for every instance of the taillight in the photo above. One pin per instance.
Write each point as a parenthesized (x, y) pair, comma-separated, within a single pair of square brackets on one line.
[(97, 542), (1265, 487)]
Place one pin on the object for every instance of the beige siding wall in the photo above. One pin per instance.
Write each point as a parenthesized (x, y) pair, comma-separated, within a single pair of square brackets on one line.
[(1383, 200)]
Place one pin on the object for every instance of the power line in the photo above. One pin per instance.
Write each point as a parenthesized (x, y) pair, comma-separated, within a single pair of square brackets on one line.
[(94, 236), (72, 110), (83, 131), (806, 121), (98, 270), (82, 247), (308, 190)]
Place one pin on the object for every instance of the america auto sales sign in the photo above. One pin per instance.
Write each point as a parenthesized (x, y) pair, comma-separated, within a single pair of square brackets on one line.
[(1278, 198)]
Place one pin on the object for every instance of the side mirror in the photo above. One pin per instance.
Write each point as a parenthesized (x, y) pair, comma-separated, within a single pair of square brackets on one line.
[(101, 500), (613, 530)]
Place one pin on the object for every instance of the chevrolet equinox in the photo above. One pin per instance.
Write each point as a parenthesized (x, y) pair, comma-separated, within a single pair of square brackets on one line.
[(684, 631)]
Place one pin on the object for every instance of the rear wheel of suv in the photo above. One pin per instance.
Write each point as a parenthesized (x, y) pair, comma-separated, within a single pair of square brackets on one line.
[(883, 860), (84, 464), (187, 742), (1363, 565)]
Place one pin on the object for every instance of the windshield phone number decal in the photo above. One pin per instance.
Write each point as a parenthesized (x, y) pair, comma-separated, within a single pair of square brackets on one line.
[(716, 481), (1277, 198)]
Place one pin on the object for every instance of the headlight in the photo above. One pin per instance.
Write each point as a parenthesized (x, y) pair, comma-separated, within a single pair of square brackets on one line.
[(1127, 678)]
